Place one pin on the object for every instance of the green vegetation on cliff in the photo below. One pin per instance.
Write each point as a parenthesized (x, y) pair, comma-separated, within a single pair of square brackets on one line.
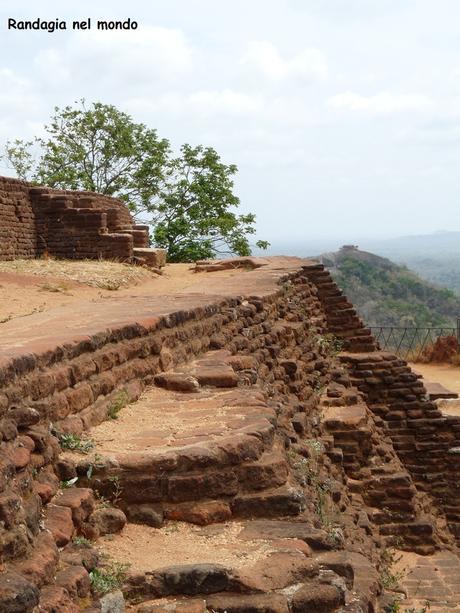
[(390, 295)]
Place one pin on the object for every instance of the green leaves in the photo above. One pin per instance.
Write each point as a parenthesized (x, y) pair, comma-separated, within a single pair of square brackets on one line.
[(188, 199), (195, 219)]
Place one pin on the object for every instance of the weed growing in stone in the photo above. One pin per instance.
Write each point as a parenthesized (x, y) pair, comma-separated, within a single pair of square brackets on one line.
[(120, 400), (101, 501), (307, 469), (73, 442), (395, 607), (97, 463), (329, 344), (308, 473), (68, 483), (117, 489), (318, 386), (81, 541), (109, 577), (388, 576), (287, 285)]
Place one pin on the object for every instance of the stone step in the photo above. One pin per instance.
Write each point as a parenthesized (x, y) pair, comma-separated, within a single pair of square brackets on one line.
[(201, 454), (283, 501), (155, 258), (245, 566)]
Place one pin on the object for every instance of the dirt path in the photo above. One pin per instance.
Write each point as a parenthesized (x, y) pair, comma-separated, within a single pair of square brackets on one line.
[(24, 293), (446, 374)]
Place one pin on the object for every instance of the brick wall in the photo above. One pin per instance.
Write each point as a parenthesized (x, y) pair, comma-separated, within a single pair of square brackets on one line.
[(17, 221), (426, 441), (73, 385), (65, 224)]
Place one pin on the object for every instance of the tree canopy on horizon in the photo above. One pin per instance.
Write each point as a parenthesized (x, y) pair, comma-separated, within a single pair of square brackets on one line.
[(187, 198)]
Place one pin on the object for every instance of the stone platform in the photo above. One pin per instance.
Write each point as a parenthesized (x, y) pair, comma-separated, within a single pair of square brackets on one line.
[(436, 391), (62, 329)]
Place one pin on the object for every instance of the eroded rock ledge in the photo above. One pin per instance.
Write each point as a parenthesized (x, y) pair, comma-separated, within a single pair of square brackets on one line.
[(255, 417)]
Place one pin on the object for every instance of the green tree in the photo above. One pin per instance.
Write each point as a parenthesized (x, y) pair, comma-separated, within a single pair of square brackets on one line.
[(99, 149), (193, 216), (188, 199)]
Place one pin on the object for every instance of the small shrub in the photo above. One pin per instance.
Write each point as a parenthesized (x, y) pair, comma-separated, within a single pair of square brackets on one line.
[(117, 489), (73, 442), (388, 577), (120, 400), (329, 344), (81, 541), (444, 349), (107, 578)]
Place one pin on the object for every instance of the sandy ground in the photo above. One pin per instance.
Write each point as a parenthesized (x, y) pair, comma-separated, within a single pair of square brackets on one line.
[(27, 288), (448, 376), (161, 419), (145, 548)]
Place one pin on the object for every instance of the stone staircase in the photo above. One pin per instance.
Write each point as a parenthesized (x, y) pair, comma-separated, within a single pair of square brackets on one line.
[(199, 470), (391, 503), (202, 454)]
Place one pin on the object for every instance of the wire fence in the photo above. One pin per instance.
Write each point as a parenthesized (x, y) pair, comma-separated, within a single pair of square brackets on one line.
[(410, 342)]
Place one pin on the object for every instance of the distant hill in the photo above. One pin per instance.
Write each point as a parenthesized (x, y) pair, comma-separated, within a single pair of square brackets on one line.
[(430, 245), (435, 257), (386, 293)]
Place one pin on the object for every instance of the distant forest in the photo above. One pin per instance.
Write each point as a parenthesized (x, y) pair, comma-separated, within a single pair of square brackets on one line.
[(388, 294), (443, 271)]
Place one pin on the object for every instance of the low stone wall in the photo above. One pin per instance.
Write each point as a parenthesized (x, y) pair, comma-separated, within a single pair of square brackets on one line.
[(74, 385), (35, 221)]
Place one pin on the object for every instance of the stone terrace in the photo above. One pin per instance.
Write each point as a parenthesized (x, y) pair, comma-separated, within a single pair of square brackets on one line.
[(284, 465)]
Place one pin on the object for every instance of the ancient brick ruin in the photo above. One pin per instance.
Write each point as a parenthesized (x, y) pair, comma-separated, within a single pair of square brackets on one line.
[(286, 422), (35, 221)]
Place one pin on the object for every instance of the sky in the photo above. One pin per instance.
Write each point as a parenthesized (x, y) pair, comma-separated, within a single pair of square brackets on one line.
[(343, 116)]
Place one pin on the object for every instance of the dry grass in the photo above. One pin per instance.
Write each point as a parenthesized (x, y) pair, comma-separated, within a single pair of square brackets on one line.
[(95, 273)]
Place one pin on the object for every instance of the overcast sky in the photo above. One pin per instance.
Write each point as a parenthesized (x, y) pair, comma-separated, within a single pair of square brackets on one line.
[(343, 116)]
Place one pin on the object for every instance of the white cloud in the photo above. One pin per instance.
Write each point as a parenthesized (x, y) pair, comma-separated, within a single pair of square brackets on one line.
[(16, 93), (384, 103), (265, 58), (51, 65), (212, 102), (251, 109), (162, 51), (18, 102)]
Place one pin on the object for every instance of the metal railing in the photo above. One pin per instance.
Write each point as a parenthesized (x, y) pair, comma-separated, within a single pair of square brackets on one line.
[(410, 342)]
